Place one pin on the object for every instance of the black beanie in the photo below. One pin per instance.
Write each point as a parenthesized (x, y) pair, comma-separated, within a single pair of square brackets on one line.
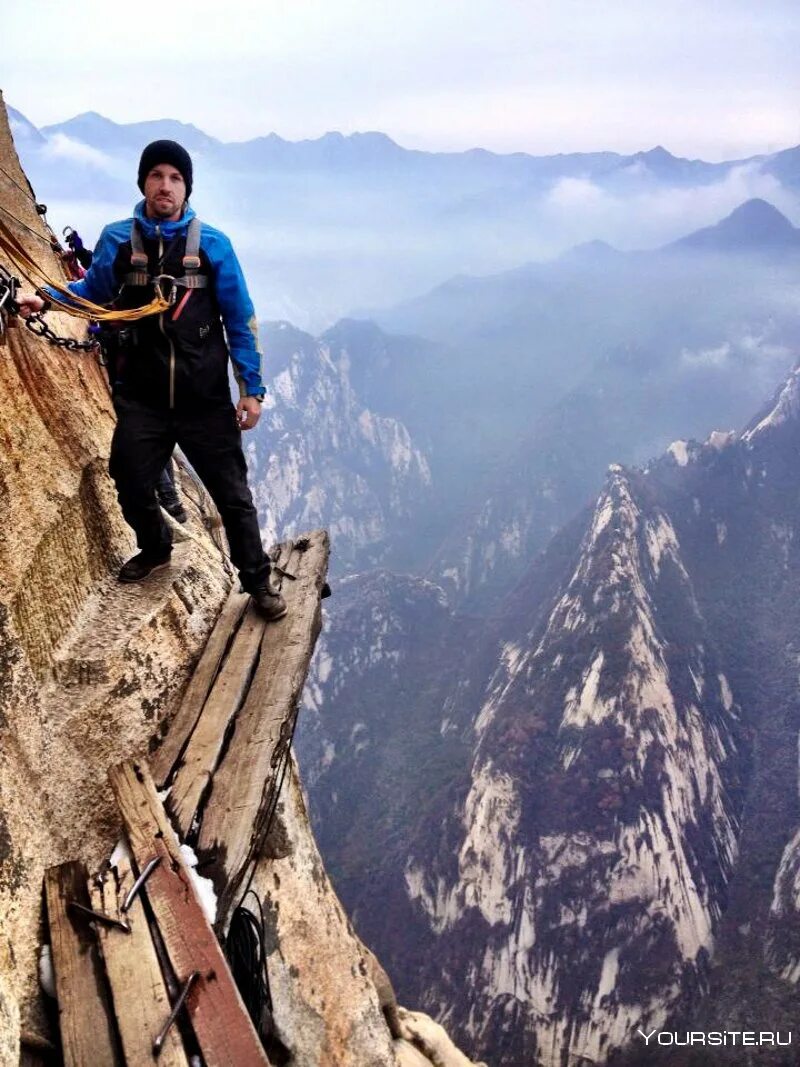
[(166, 152)]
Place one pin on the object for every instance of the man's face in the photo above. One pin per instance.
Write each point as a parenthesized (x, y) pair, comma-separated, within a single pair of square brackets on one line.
[(164, 193)]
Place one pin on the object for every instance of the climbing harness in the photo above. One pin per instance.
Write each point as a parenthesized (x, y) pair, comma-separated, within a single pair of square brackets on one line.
[(140, 275)]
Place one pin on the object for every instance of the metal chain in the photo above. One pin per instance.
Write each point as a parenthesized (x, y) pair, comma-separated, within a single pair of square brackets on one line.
[(35, 322)]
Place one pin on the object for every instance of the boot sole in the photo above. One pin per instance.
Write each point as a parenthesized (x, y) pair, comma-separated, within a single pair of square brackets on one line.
[(134, 581)]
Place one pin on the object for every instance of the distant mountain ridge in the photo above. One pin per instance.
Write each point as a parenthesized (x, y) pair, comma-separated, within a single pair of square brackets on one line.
[(377, 147), (100, 132), (345, 221)]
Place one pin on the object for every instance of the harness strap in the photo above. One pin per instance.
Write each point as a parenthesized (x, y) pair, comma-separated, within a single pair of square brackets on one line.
[(191, 279), (140, 273), (191, 254)]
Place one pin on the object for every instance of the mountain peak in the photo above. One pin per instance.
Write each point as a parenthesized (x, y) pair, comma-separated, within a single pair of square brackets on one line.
[(755, 224), (22, 129), (757, 211), (590, 252), (785, 407)]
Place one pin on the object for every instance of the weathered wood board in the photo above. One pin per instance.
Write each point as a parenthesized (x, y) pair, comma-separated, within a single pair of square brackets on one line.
[(139, 994), (88, 1036), (180, 730), (233, 819), (203, 750), (220, 1021)]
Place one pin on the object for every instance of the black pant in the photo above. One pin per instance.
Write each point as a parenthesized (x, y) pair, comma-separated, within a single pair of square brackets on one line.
[(143, 442)]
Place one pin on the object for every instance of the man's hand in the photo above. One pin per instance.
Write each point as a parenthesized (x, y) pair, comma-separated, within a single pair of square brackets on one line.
[(248, 412), (29, 304)]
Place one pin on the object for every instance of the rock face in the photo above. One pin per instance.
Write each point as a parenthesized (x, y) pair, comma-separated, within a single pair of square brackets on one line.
[(604, 834), (90, 673), (89, 670), (322, 457)]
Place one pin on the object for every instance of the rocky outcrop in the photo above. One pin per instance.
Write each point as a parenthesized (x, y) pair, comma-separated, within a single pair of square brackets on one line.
[(323, 457), (596, 813)]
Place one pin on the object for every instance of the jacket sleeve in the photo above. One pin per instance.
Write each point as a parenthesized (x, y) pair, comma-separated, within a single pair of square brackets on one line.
[(238, 316), (98, 284)]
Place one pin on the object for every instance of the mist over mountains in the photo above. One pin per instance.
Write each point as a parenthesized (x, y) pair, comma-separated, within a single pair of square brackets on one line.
[(338, 223)]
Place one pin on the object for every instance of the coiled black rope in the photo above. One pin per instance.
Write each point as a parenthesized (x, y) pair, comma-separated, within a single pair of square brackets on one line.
[(245, 949)]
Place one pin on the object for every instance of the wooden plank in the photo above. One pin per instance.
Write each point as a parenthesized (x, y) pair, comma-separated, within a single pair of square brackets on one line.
[(234, 818), (138, 990), (180, 730), (202, 753), (223, 1028), (88, 1036)]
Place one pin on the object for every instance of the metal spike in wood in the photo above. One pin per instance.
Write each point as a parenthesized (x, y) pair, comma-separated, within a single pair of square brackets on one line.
[(141, 1002), (88, 1036), (218, 1016)]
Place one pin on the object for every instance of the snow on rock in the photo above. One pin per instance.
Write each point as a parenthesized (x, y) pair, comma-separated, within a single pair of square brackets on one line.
[(720, 439), (785, 407), (679, 452), (782, 951), (204, 887)]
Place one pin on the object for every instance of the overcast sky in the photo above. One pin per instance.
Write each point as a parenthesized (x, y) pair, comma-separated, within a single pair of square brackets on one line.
[(717, 79)]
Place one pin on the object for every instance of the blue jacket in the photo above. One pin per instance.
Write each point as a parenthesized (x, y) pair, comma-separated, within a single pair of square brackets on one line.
[(227, 294)]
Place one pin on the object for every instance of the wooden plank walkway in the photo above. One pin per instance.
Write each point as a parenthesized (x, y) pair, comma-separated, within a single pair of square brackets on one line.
[(221, 786), (167, 756), (204, 747), (222, 760), (233, 822), (84, 1011), (220, 1021)]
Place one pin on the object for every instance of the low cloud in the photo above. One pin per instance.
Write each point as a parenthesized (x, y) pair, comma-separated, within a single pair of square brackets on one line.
[(707, 357), (61, 148), (581, 209), (750, 347)]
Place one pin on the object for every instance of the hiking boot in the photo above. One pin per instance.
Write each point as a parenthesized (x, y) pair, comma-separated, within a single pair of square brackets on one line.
[(142, 564), (269, 602), (177, 511)]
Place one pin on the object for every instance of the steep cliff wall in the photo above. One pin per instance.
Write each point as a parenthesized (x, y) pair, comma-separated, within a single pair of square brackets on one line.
[(88, 669)]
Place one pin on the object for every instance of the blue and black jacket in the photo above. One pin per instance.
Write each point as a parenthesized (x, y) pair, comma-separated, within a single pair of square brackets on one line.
[(180, 357)]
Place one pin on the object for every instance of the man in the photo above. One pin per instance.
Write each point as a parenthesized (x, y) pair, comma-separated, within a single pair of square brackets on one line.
[(169, 372)]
